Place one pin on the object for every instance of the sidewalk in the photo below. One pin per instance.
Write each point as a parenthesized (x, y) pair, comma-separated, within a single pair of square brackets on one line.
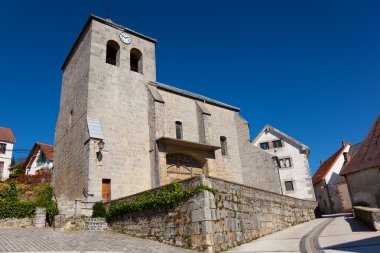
[(287, 240), (331, 234), (345, 234)]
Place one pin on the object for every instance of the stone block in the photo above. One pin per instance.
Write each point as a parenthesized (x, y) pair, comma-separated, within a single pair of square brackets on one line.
[(201, 215), (207, 227)]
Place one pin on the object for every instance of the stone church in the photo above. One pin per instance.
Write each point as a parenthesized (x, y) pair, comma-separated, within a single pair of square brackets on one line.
[(120, 132)]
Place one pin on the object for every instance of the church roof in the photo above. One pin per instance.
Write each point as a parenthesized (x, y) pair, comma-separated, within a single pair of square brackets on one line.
[(6, 134), (194, 95), (368, 154)]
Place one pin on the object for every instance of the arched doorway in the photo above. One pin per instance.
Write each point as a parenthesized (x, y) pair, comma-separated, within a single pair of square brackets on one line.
[(182, 166)]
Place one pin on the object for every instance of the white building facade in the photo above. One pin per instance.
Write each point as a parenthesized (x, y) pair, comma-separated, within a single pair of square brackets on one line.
[(40, 157), (7, 141), (325, 186), (293, 162)]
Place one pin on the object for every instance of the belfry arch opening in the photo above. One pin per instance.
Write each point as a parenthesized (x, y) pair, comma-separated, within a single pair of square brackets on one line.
[(136, 60), (113, 53)]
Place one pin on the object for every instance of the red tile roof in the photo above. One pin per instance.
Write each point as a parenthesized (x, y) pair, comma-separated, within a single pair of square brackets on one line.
[(325, 167), (6, 134), (48, 150), (368, 154)]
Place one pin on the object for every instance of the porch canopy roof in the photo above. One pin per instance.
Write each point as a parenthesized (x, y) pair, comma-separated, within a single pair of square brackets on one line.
[(188, 144)]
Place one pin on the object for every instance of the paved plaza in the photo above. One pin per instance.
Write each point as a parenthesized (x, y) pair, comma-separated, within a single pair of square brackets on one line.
[(48, 240)]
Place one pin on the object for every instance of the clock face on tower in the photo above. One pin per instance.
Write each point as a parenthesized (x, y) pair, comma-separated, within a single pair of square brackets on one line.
[(125, 38)]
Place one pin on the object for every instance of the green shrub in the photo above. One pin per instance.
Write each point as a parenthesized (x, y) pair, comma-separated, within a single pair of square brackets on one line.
[(44, 198), (166, 198), (15, 175), (16, 209), (98, 210), (4, 189), (18, 201), (12, 192)]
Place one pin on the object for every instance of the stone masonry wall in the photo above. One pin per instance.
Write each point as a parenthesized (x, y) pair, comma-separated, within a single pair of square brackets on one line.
[(118, 98), (364, 187), (236, 214), (259, 169), (368, 215), (70, 163), (16, 223)]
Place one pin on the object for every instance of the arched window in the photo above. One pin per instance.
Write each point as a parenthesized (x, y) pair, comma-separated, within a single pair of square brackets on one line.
[(112, 53), (178, 130), (223, 145), (136, 60)]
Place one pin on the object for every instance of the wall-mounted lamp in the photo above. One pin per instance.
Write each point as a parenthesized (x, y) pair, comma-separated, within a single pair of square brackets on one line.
[(99, 154), (100, 145)]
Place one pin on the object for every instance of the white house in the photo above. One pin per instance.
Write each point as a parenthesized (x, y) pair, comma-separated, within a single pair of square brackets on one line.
[(40, 157), (7, 140), (327, 182), (292, 156)]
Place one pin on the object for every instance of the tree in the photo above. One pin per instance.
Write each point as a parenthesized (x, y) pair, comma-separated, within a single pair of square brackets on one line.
[(17, 169)]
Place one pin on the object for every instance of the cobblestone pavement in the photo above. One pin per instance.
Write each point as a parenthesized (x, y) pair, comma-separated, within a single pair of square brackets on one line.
[(48, 240)]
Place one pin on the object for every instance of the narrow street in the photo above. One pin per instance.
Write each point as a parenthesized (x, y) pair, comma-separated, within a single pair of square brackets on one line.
[(331, 234)]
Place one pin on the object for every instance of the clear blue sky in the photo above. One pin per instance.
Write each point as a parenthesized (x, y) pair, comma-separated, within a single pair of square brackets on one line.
[(309, 68)]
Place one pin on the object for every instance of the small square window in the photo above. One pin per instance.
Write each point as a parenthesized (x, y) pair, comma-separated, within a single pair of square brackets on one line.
[(285, 162), (264, 145), (289, 186), (277, 144)]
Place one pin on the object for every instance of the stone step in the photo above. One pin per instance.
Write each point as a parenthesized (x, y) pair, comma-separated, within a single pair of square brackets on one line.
[(96, 224)]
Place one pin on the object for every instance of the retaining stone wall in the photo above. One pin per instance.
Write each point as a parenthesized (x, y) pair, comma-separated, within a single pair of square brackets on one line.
[(368, 215), (213, 223), (16, 223)]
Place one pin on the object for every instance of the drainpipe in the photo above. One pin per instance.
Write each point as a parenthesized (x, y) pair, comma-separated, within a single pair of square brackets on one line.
[(278, 172)]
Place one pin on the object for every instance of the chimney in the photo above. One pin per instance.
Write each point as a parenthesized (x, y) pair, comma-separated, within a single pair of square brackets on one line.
[(347, 157), (321, 162)]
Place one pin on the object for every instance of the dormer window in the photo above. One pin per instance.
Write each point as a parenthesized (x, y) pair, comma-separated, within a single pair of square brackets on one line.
[(136, 60), (112, 53)]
